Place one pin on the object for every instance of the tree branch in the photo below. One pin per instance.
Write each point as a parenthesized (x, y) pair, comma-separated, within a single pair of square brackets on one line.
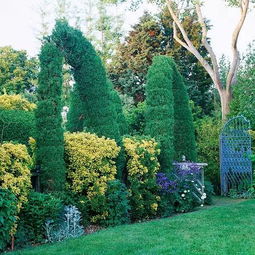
[(206, 44), (190, 47), (183, 44), (231, 79)]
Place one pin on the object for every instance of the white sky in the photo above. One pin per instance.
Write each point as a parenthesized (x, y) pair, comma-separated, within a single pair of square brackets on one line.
[(19, 20)]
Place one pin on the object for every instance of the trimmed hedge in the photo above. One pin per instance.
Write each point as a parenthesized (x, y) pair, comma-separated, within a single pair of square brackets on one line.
[(160, 109), (17, 126), (90, 77), (49, 135), (121, 119), (95, 101), (75, 116), (168, 114), (184, 131)]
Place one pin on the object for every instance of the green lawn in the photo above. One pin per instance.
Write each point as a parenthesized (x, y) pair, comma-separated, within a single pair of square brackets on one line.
[(219, 230)]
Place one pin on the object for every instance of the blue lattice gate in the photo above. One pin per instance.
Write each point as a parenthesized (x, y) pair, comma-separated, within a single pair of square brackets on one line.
[(235, 149)]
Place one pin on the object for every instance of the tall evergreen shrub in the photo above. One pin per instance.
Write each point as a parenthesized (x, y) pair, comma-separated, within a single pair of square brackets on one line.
[(160, 108), (50, 139), (90, 77), (75, 116), (168, 114), (121, 119), (91, 82), (184, 132)]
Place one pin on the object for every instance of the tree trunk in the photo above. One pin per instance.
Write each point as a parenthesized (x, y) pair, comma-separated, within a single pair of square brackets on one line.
[(212, 69), (225, 98)]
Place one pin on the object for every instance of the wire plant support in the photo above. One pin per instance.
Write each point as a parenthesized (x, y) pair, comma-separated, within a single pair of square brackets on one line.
[(235, 151), (196, 171)]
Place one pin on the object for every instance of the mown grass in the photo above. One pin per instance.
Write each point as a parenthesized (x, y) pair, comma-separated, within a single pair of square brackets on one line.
[(222, 230)]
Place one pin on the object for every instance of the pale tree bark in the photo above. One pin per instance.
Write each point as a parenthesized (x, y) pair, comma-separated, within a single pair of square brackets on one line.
[(212, 68)]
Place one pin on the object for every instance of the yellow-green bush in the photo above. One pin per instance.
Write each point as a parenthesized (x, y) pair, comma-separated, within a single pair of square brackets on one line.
[(142, 166), (90, 165), (15, 102), (208, 132), (15, 175)]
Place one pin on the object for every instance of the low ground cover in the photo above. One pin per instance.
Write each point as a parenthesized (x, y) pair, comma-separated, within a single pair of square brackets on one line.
[(225, 229)]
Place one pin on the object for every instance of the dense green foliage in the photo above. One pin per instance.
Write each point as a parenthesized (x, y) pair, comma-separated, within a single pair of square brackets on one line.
[(17, 121), (153, 36), (90, 78), (184, 133), (209, 190), (135, 116), (80, 169), (117, 204), (122, 122), (95, 101), (18, 72), (17, 126), (75, 116), (244, 91), (208, 132), (8, 213), (76, 119), (49, 136), (32, 218), (160, 109), (220, 230), (168, 113)]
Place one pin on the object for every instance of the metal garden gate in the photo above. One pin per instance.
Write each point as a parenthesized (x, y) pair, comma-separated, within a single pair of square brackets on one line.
[(235, 149)]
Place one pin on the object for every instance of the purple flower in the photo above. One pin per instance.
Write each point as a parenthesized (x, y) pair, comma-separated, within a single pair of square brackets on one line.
[(187, 169), (166, 185)]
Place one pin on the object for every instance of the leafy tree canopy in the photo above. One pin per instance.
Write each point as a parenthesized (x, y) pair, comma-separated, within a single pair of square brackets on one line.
[(152, 36), (18, 72), (184, 3), (244, 91)]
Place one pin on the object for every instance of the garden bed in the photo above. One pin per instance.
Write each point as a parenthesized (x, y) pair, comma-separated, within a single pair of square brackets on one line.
[(223, 229)]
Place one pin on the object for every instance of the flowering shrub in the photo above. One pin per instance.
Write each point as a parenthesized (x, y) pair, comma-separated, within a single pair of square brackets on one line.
[(166, 185), (180, 189), (90, 165), (142, 166), (15, 175), (15, 102), (191, 169)]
